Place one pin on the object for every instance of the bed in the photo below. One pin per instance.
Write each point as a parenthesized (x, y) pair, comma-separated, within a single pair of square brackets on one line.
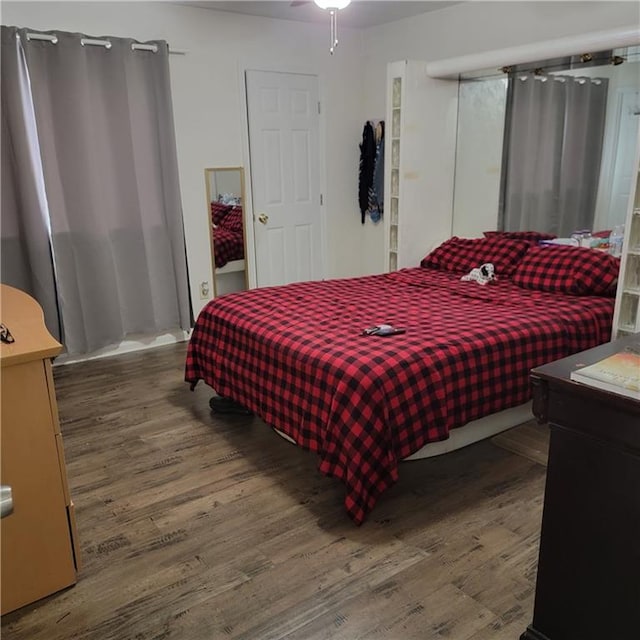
[(295, 355), (228, 235)]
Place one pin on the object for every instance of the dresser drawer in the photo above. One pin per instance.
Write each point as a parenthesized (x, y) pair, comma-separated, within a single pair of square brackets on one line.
[(37, 556)]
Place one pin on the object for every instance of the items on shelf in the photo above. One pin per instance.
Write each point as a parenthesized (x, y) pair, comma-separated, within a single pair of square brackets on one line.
[(609, 240), (615, 241)]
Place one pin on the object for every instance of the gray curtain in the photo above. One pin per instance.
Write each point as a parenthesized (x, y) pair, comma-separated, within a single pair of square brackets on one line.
[(106, 135), (552, 149), (26, 261)]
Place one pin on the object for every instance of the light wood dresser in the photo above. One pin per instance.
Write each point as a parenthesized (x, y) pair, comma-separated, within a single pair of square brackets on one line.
[(39, 547)]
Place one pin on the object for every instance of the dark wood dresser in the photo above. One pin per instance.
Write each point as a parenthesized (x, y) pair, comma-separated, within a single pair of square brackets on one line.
[(588, 582)]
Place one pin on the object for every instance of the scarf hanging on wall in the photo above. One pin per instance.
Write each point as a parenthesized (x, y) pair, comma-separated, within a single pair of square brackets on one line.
[(367, 165), (376, 191)]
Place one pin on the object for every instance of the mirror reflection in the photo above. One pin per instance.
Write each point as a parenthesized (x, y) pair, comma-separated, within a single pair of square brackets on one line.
[(548, 146), (225, 197)]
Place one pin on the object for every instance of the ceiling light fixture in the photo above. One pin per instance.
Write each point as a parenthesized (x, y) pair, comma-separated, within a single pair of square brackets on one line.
[(333, 6)]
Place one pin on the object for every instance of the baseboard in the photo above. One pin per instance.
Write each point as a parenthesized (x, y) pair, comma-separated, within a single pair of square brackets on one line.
[(132, 344)]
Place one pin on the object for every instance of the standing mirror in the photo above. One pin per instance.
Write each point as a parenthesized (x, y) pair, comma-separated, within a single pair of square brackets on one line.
[(225, 198)]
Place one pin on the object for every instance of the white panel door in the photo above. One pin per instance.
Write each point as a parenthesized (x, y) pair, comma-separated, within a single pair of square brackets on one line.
[(282, 111)]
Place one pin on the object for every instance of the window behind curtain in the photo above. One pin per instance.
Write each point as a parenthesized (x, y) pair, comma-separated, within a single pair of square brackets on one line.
[(105, 129), (553, 142)]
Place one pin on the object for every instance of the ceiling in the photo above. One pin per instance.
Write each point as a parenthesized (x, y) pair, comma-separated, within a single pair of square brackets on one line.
[(359, 14)]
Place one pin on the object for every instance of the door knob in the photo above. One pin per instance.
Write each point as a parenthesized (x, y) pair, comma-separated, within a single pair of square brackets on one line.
[(6, 500), (263, 218)]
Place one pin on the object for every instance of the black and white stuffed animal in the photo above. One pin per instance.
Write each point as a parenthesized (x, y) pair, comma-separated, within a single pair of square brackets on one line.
[(482, 274)]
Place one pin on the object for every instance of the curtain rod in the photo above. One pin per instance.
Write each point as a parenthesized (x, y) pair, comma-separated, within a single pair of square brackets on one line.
[(135, 46), (567, 46)]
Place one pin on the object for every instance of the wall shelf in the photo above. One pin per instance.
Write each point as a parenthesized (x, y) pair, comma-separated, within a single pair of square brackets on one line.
[(626, 317), (418, 193)]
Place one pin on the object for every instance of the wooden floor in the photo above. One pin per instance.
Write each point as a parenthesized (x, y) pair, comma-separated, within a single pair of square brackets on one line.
[(195, 526), (528, 440)]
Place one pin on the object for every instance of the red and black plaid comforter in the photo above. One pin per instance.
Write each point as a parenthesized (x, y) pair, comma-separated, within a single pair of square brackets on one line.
[(228, 244), (295, 356)]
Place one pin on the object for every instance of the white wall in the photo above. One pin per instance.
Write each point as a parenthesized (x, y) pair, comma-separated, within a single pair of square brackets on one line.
[(467, 28), (208, 100), (207, 92)]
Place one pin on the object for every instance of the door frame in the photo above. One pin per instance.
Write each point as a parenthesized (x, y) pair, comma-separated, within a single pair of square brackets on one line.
[(249, 214)]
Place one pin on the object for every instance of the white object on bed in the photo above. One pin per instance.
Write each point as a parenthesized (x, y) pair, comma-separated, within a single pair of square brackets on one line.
[(572, 242), (482, 275), (471, 432)]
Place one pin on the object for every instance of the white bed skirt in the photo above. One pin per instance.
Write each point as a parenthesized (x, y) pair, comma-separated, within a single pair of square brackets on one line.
[(231, 267), (471, 432)]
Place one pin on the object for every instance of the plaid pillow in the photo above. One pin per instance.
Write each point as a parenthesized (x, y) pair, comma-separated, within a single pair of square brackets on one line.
[(528, 236), (460, 255), (233, 219), (576, 270), (219, 211)]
